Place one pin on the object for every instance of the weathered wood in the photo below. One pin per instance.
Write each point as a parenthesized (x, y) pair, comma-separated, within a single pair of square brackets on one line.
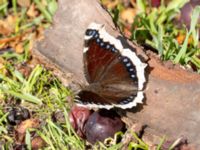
[(172, 103)]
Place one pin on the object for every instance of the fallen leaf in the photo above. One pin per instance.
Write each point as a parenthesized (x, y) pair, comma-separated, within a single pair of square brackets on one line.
[(9, 39), (110, 4), (32, 11), (19, 48), (11, 21), (128, 15), (3, 45), (5, 28), (40, 33), (37, 143), (24, 3), (23, 126)]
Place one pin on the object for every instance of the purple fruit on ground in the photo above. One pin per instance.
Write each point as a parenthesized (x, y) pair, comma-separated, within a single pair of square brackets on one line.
[(78, 117), (102, 124), (186, 12), (155, 3)]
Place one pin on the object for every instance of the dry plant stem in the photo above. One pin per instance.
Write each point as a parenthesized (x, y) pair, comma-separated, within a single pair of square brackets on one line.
[(172, 101)]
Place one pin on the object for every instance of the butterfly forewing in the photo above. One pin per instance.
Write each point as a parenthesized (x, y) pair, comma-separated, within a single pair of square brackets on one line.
[(96, 60)]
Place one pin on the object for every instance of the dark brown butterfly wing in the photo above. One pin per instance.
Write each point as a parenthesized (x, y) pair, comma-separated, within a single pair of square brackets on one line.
[(96, 60), (112, 75)]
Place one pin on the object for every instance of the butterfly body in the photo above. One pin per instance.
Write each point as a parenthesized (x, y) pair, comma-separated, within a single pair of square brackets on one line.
[(115, 74)]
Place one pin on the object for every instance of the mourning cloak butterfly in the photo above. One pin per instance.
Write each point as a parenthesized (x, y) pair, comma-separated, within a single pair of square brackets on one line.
[(115, 74)]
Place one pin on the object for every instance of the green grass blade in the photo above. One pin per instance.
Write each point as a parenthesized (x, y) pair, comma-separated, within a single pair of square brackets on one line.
[(141, 4), (26, 96), (14, 4), (28, 140), (43, 10), (3, 7), (52, 6), (33, 78), (194, 20), (19, 76)]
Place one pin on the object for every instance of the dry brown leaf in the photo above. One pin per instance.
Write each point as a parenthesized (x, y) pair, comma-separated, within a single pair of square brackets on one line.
[(5, 28), (40, 33), (11, 21), (24, 3), (9, 39), (110, 4), (19, 48), (11, 42), (37, 143), (32, 11), (128, 15), (14, 42), (3, 45), (23, 126)]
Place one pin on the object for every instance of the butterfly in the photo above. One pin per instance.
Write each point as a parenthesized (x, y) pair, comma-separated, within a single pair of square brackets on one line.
[(115, 74)]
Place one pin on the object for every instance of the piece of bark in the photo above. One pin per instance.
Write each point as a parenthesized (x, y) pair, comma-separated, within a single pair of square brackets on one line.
[(172, 94)]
